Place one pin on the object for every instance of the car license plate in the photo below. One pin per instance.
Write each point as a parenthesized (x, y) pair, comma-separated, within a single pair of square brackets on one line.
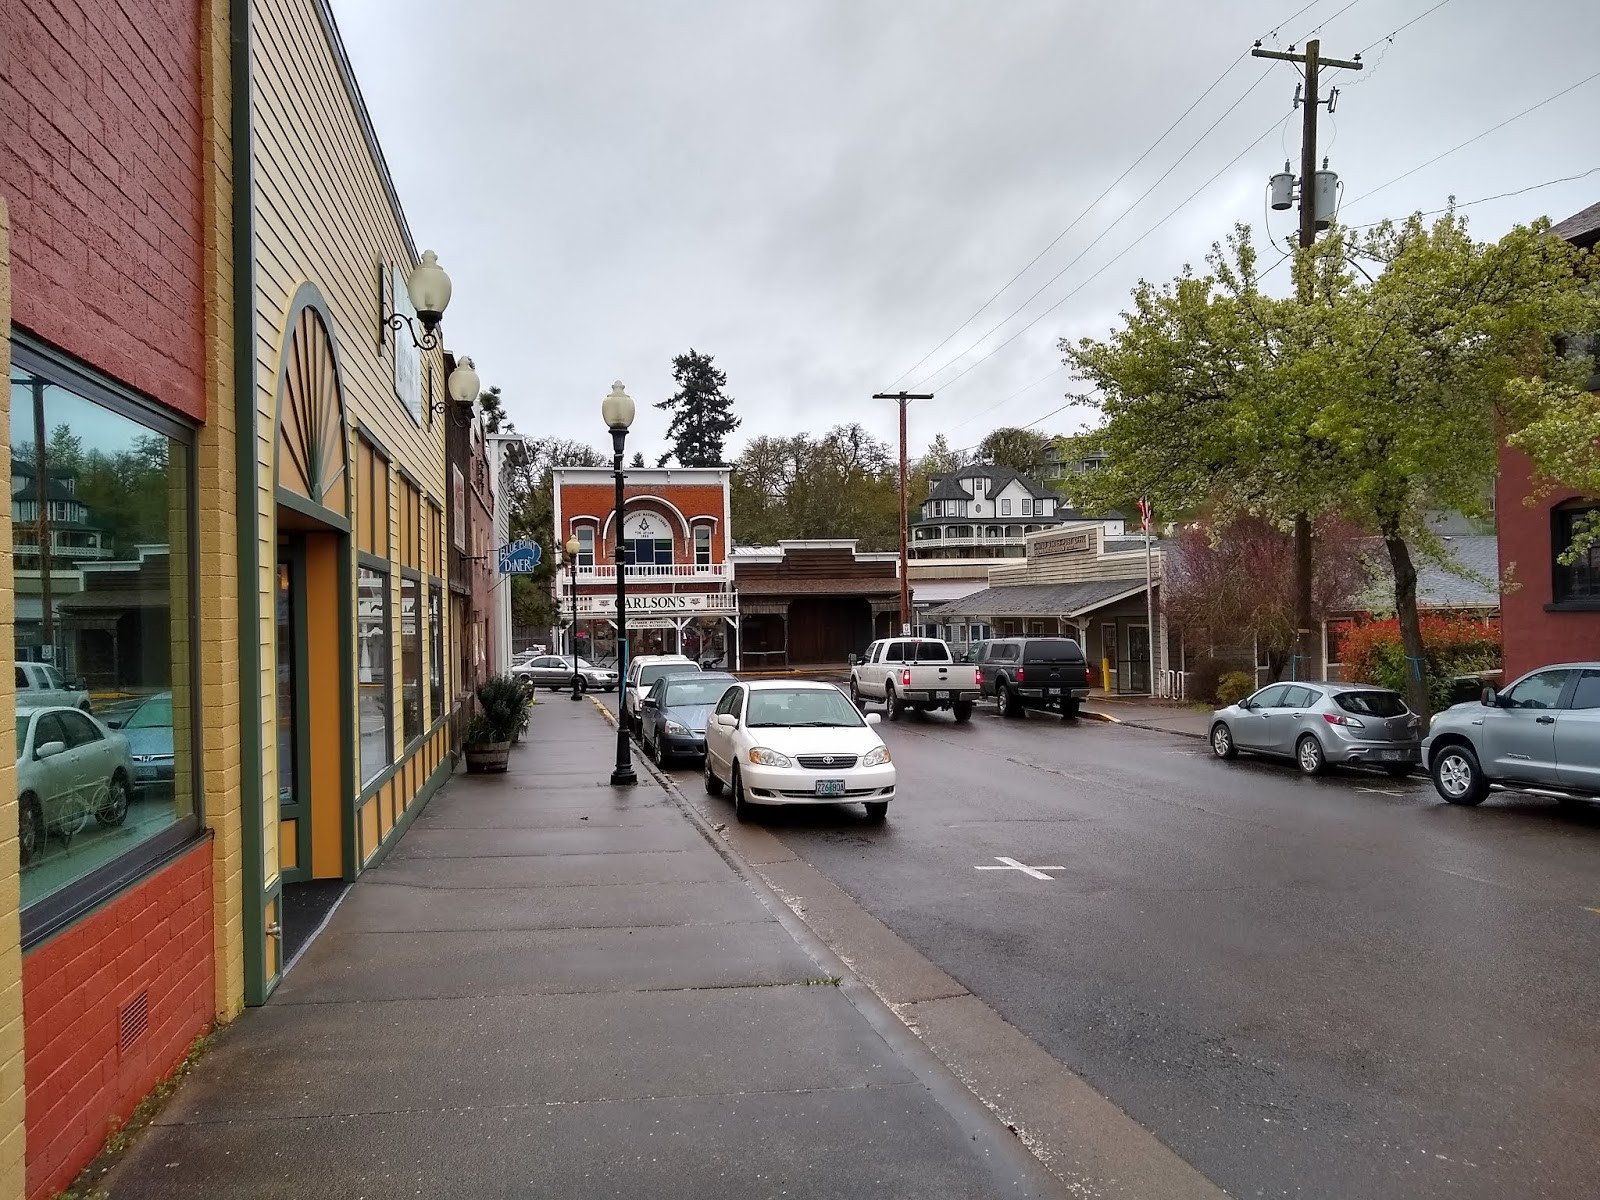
[(1393, 755), (830, 787), (941, 695)]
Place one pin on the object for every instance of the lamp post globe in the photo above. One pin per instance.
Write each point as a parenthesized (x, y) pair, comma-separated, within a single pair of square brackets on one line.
[(571, 549), (617, 412), (428, 289), (463, 383)]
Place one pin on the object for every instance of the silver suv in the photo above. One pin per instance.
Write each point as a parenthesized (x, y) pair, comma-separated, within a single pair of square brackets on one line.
[(1541, 734)]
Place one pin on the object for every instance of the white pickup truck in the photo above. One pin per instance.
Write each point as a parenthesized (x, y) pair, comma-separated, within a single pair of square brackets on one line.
[(40, 685), (919, 673)]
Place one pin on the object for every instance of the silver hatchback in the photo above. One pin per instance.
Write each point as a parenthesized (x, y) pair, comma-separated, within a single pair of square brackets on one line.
[(1322, 724)]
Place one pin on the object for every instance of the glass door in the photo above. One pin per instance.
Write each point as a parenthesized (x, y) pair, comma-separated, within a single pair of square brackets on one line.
[(294, 811)]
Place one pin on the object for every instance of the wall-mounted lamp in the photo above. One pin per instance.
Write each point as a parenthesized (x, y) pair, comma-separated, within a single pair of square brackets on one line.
[(463, 388), (428, 289)]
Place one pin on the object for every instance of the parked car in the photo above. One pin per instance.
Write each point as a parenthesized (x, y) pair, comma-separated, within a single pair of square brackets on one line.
[(1540, 734), (917, 673), (642, 673), (673, 714), (786, 742), (1322, 724), (40, 685), (555, 672), (1035, 672), (148, 729), (71, 769)]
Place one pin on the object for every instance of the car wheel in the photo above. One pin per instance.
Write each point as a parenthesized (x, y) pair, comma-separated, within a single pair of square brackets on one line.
[(741, 806), (30, 828), (877, 810), (713, 784), (963, 711), (1010, 701), (1397, 770), (114, 809), (583, 685), (855, 697), (663, 759), (1222, 741), (894, 704), (1308, 754), (1458, 777)]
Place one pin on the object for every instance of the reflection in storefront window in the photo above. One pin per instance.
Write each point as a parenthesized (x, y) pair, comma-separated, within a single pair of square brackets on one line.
[(100, 505), (435, 651), (411, 657), (374, 643)]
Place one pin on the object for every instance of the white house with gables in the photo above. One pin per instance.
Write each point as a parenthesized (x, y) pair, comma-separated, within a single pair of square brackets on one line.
[(984, 512)]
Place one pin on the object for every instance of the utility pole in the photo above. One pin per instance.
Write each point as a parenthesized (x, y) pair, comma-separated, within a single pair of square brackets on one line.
[(903, 398), (1312, 60)]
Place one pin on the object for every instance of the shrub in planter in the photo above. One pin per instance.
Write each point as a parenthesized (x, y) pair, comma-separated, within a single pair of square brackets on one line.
[(502, 712), (1234, 687), (1451, 646)]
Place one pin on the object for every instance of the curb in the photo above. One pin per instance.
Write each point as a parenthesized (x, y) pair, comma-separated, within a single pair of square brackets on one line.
[(1188, 733)]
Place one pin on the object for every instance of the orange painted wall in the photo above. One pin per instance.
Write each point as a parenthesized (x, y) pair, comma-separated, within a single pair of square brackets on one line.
[(322, 699), (156, 939)]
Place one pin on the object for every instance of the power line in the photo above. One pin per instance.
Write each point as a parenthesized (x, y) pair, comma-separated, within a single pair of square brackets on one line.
[(1332, 19), (1477, 137), (979, 311), (1193, 146), (1262, 136), (1532, 187), (1394, 33), (999, 403)]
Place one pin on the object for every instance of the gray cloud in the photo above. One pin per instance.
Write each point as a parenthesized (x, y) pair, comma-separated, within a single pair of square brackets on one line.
[(816, 191)]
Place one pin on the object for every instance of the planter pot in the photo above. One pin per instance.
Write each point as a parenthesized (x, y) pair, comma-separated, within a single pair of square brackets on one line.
[(485, 758)]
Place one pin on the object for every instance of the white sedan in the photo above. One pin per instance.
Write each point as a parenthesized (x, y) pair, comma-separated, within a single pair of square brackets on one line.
[(785, 742), (71, 769)]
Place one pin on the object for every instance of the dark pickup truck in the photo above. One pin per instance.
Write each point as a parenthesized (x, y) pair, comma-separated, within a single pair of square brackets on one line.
[(1035, 672)]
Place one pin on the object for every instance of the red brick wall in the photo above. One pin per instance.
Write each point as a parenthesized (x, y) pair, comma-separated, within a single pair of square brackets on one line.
[(696, 500), (155, 939), (1533, 637), (100, 157)]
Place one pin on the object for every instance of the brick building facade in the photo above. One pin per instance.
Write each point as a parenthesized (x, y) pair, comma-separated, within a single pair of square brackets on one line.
[(675, 537)]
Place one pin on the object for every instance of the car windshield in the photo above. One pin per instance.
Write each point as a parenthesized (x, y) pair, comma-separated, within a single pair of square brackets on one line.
[(155, 713), (1372, 704), (696, 691), (933, 652), (648, 675), (1053, 650), (821, 707)]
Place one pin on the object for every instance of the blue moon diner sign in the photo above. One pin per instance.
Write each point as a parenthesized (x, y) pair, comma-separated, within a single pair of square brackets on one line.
[(520, 558)]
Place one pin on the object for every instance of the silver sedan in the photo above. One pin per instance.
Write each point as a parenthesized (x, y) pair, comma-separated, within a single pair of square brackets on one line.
[(555, 672), (1322, 724)]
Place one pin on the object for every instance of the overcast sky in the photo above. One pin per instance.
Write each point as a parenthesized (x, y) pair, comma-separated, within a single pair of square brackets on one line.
[(817, 192)]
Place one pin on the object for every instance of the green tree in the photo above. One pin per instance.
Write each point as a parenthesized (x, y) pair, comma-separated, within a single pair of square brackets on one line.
[(841, 485), (702, 413), (527, 488), (1023, 450), (1377, 398), (940, 459), (638, 459), (492, 405)]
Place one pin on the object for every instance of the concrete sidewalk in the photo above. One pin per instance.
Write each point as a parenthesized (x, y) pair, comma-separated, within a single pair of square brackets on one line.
[(1165, 716), (557, 988)]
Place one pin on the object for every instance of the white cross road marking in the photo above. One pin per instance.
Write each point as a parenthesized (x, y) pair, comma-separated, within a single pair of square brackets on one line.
[(1012, 864)]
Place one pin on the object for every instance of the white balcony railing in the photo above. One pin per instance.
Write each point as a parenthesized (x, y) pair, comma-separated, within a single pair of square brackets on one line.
[(607, 572)]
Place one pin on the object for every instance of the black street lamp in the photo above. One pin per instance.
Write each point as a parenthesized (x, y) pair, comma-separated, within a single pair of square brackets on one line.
[(572, 549), (617, 412)]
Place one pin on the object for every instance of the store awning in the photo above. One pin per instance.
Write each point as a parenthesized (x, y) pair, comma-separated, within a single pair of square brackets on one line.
[(1068, 600)]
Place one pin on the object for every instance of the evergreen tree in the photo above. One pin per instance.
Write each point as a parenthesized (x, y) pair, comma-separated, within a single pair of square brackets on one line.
[(702, 414), (638, 459), (495, 419)]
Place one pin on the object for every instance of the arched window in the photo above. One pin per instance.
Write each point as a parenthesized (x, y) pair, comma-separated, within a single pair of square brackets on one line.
[(585, 536), (702, 546)]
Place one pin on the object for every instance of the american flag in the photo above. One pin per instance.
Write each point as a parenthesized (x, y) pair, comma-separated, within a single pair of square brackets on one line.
[(1144, 514)]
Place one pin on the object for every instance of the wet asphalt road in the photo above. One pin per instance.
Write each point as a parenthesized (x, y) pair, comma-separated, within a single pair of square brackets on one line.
[(1331, 987)]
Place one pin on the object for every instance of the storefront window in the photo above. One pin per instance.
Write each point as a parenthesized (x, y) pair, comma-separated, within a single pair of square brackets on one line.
[(375, 709), (435, 651), (411, 657), (101, 500)]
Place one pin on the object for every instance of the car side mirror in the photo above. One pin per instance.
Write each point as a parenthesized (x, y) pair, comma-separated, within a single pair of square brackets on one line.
[(727, 720), (873, 718), (114, 722), (650, 702), (50, 750), (850, 659), (1491, 698)]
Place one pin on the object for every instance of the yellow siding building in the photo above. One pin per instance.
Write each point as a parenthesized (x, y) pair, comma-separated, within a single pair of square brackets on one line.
[(342, 493)]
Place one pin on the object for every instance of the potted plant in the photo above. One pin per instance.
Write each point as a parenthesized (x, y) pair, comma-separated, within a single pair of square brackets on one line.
[(503, 707)]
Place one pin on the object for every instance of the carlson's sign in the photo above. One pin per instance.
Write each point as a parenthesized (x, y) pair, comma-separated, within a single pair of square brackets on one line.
[(662, 604)]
